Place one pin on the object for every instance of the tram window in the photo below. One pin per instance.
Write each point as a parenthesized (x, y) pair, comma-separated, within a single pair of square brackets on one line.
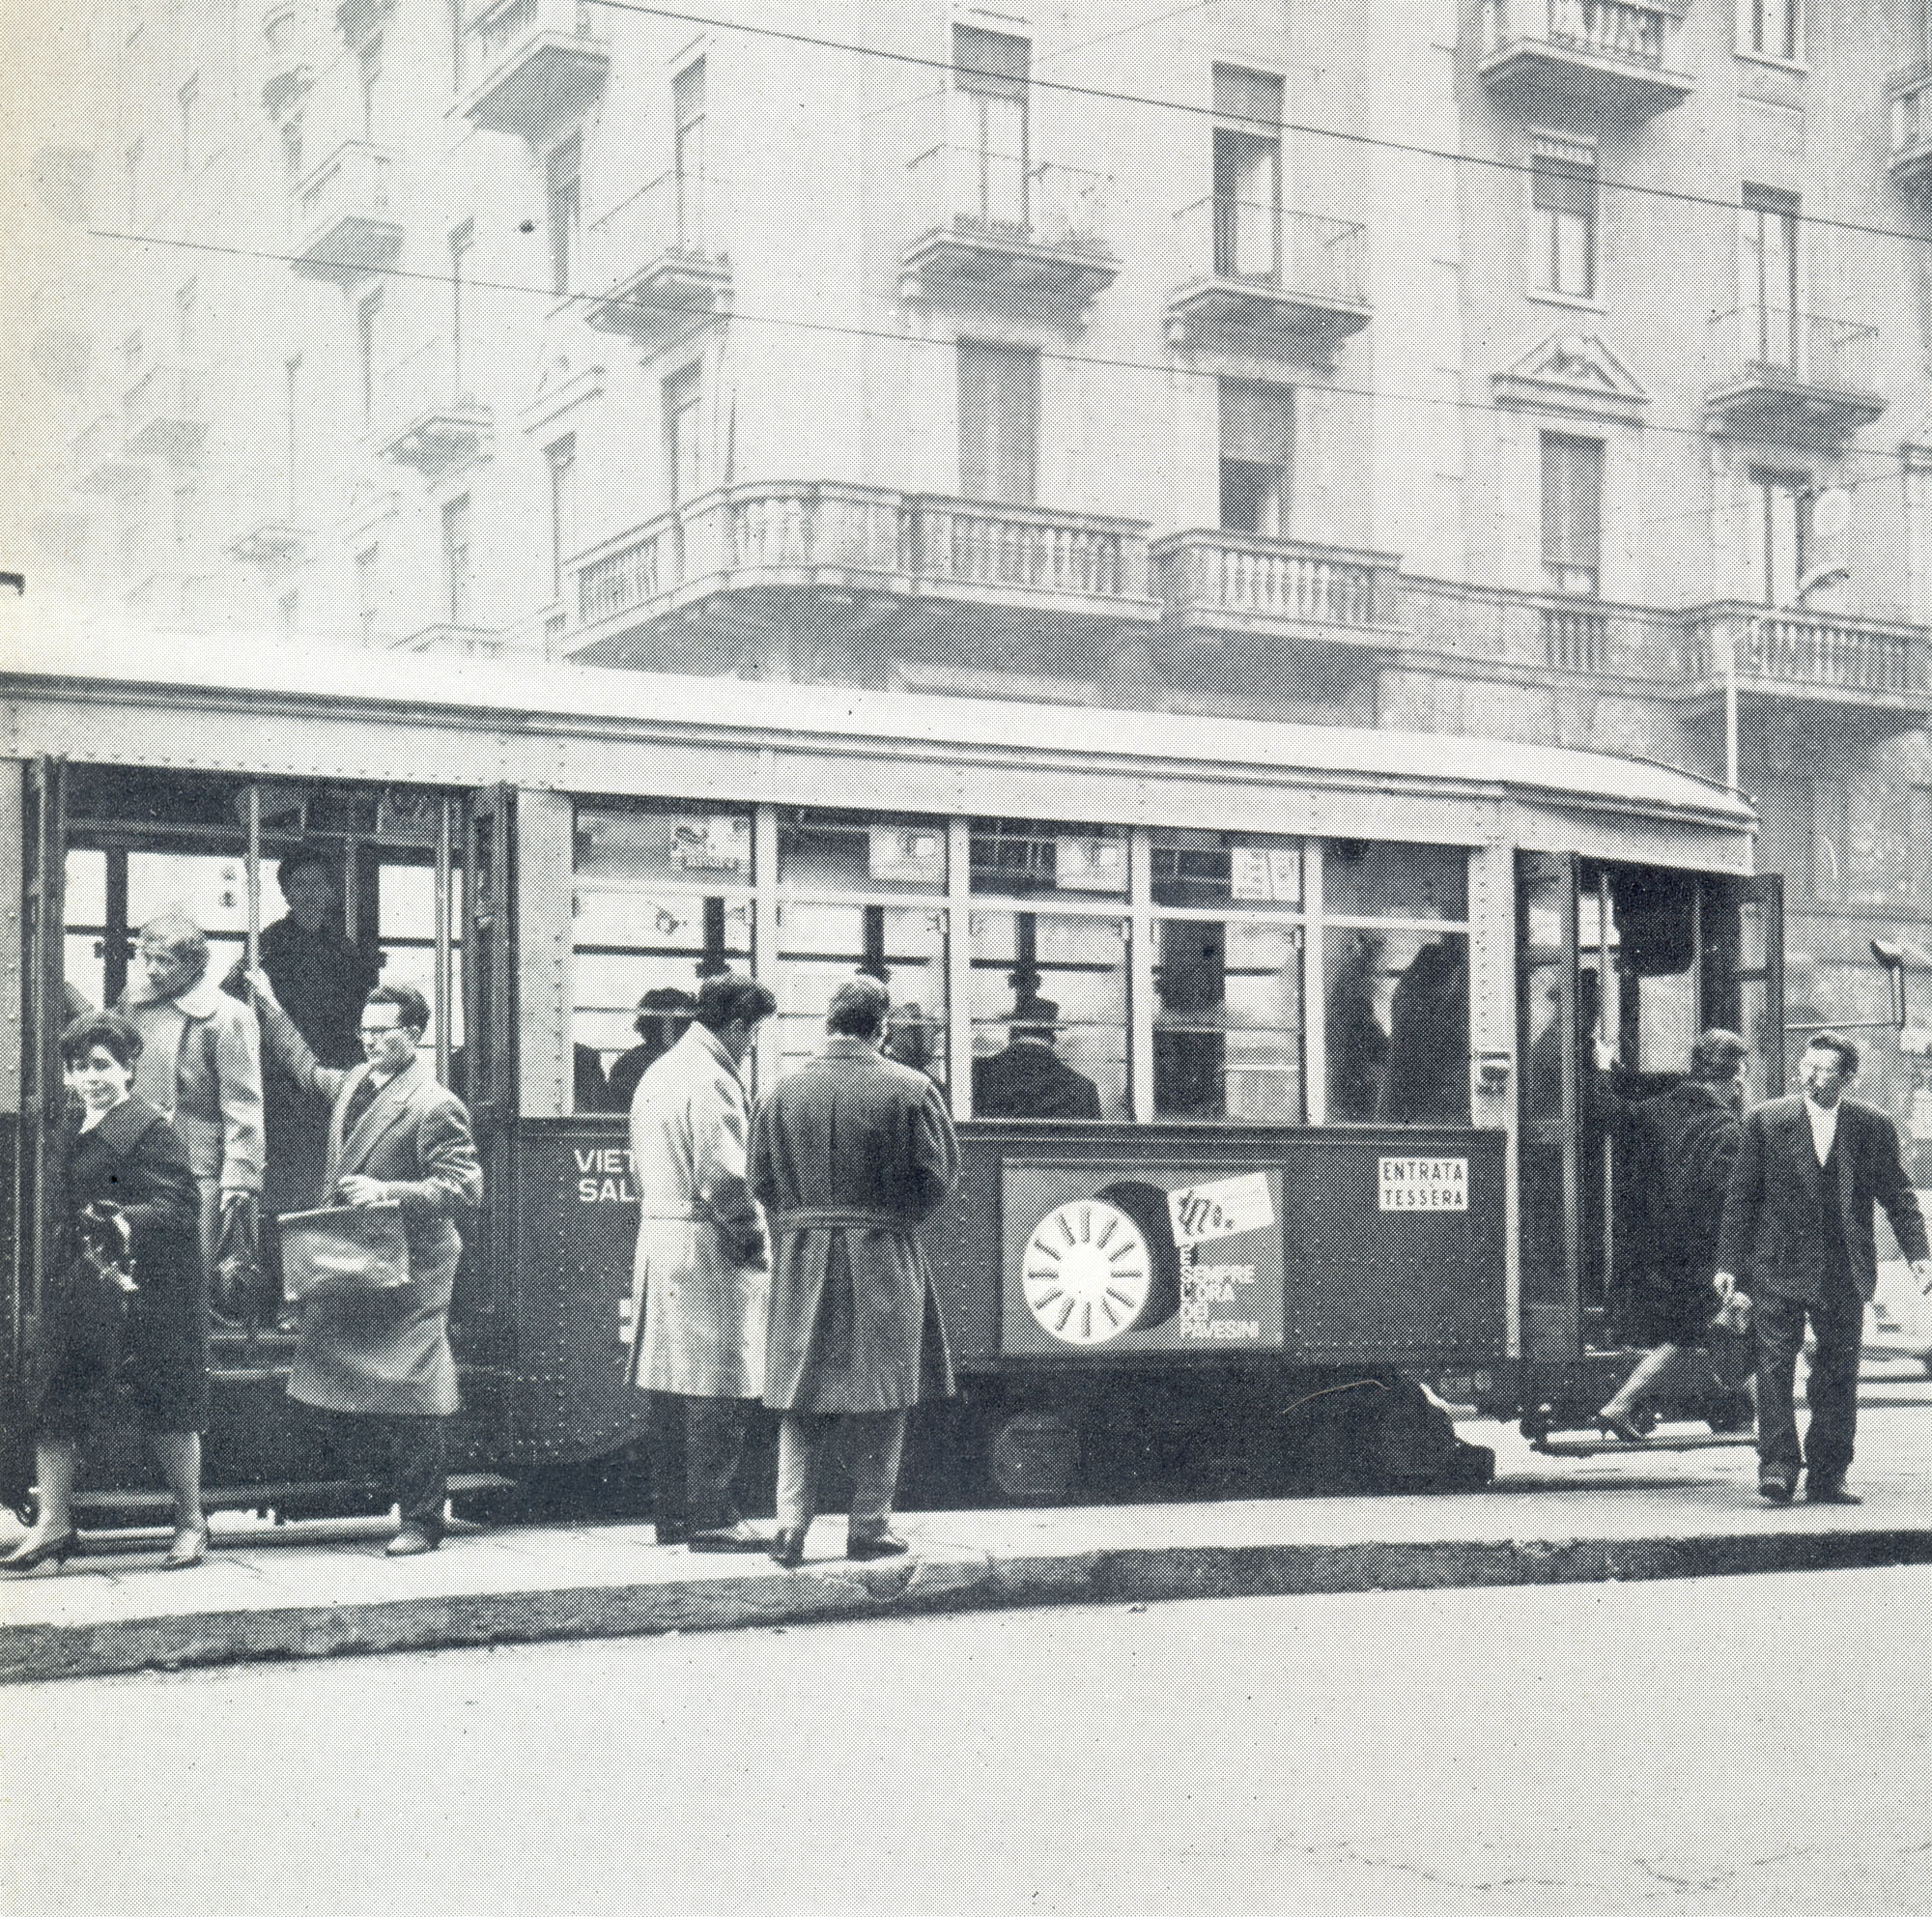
[(1363, 879), (661, 902), (1018, 858), (406, 928), (1227, 1024), (1211, 868), (212, 890), (85, 958), (834, 851), (823, 943), (1397, 1011), (1049, 1016)]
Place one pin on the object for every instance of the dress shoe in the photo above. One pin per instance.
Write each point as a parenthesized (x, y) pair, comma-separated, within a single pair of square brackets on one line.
[(876, 1544), (671, 1533), (1774, 1490), (1618, 1424), (787, 1548), (1830, 1490), (410, 1542), (727, 1538), (32, 1552), (189, 1547)]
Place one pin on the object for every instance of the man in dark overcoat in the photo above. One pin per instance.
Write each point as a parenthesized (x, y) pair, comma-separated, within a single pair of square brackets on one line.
[(1029, 1078), (850, 1154), (1797, 1236), (377, 1372)]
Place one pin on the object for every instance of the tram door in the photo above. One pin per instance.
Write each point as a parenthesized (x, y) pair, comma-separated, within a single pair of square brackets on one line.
[(396, 885), (1619, 968)]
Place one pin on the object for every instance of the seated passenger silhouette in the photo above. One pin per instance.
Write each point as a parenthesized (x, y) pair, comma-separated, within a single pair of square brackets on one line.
[(1028, 1079)]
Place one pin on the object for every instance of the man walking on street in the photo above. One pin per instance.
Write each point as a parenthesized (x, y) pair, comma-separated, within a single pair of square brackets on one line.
[(699, 1297), (849, 1154), (1798, 1236)]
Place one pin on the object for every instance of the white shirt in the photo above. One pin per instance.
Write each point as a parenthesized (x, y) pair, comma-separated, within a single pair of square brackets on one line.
[(1824, 1129)]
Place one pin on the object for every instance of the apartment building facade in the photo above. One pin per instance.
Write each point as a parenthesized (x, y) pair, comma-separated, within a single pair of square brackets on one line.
[(1492, 369)]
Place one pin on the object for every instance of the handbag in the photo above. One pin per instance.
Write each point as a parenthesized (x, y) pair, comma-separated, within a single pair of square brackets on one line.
[(236, 1293), (345, 1251)]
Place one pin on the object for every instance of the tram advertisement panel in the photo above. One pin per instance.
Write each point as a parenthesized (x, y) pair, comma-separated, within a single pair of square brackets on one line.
[(1103, 1259)]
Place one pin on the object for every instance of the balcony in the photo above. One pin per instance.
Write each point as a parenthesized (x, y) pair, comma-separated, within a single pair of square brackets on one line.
[(1272, 281), (689, 592), (1859, 673), (1224, 589), (466, 641), (423, 418), (995, 231), (287, 73), (344, 225), (1797, 379), (103, 463), (1582, 60), (659, 259), (165, 415), (1910, 95), (533, 63)]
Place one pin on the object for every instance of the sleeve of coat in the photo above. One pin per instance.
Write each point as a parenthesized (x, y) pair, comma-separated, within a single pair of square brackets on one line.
[(760, 1172), (164, 1195), (719, 1151), (452, 1179), (935, 1154), (290, 1050), (1900, 1201), (1715, 1151), (1742, 1200), (237, 1067)]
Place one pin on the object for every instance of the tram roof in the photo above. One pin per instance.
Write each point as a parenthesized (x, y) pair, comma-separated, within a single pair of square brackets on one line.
[(530, 694)]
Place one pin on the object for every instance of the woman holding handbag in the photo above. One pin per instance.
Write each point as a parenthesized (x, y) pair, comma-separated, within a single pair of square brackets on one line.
[(129, 1304)]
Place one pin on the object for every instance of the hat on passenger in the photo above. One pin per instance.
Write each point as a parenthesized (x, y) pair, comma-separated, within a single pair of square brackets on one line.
[(1033, 1015)]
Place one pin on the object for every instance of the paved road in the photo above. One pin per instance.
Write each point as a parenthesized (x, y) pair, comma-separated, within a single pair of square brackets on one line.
[(1582, 1749)]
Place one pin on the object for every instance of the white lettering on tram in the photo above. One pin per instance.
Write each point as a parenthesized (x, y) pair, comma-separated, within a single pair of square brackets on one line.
[(1423, 1185)]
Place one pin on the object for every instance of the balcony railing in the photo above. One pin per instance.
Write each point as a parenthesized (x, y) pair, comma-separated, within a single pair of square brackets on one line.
[(854, 546), (659, 261), (991, 226), (344, 225), (1263, 271), (166, 414), (1222, 581), (527, 64), (1797, 379), (1911, 100), (1576, 638), (1840, 659), (1575, 58), (423, 418)]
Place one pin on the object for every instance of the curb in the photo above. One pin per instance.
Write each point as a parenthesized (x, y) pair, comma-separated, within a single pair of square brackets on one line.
[(835, 1591)]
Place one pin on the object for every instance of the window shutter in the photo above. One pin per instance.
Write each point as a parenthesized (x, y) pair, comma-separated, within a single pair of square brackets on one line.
[(1573, 481), (998, 408), (1257, 424)]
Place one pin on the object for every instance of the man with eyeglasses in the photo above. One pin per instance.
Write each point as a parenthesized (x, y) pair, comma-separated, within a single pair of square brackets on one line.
[(375, 1371)]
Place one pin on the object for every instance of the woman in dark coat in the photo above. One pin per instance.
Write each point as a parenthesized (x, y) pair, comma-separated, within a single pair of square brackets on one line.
[(128, 1200), (1690, 1141)]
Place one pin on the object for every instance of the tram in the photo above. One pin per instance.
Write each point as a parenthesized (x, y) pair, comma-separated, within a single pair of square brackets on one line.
[(1325, 1000)]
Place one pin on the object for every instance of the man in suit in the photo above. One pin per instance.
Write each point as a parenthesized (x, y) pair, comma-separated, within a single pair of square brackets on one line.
[(1797, 1238), (698, 1298), (377, 1372), (1028, 1079), (850, 1153)]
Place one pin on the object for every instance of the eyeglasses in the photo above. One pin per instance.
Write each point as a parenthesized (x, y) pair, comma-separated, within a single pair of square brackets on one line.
[(377, 1031)]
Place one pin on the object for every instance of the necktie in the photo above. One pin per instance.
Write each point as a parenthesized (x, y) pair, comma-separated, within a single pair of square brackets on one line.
[(359, 1101)]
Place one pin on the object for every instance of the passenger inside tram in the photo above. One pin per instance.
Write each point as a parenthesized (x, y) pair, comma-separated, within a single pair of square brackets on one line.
[(664, 1015), (1027, 1078)]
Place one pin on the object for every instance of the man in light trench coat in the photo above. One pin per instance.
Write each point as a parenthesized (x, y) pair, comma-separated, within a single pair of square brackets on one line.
[(699, 1293), (849, 1154)]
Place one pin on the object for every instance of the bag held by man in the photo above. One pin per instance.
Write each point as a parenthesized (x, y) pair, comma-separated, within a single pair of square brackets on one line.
[(348, 1250)]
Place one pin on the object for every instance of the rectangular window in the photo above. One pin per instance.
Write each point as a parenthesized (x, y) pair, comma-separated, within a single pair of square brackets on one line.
[(687, 101), (1778, 533), (987, 114), (683, 395), (460, 243), (562, 456), (999, 413), (1563, 205), (1573, 513), (369, 78), (368, 325), (1257, 457), (456, 559), (1247, 182), (1772, 27), (563, 189), (1768, 278), (368, 591), (188, 103)]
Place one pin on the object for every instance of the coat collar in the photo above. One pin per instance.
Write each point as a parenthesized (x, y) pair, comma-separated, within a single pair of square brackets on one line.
[(125, 1125), (841, 1045), (201, 1000), (388, 1106), (701, 1038)]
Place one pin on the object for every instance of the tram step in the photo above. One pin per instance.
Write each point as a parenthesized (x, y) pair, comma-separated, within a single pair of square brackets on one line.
[(257, 1497), (1657, 1441)]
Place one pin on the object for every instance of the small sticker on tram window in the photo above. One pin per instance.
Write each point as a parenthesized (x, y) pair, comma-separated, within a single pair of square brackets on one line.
[(1223, 1207), (1423, 1185)]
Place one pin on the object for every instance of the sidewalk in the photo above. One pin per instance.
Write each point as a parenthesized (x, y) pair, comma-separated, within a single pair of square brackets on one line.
[(326, 1590)]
